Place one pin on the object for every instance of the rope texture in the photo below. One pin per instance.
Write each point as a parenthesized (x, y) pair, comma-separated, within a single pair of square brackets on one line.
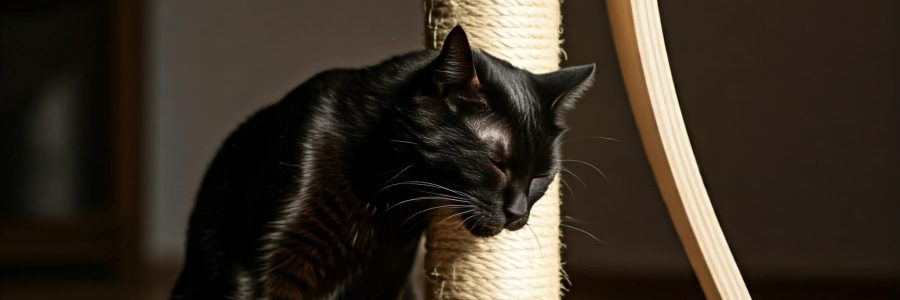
[(524, 32), (523, 264)]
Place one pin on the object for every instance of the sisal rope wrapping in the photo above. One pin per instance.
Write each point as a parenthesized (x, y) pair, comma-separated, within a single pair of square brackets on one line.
[(523, 264)]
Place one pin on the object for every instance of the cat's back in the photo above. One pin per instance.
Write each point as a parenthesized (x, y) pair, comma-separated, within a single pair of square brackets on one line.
[(262, 165), (331, 103), (254, 170)]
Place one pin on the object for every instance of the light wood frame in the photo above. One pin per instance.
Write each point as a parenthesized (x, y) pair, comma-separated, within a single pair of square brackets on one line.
[(641, 49)]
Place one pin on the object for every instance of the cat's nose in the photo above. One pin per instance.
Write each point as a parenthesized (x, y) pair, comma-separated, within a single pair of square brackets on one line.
[(516, 211)]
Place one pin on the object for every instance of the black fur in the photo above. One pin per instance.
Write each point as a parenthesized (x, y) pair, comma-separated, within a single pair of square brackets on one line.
[(325, 194)]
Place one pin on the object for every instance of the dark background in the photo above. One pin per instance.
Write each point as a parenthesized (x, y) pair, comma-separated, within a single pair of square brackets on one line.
[(112, 109), (792, 108)]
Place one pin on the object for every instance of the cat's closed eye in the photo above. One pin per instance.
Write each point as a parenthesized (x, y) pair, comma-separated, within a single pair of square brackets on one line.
[(499, 164)]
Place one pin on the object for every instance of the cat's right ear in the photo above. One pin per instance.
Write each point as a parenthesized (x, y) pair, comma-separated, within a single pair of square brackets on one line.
[(454, 68)]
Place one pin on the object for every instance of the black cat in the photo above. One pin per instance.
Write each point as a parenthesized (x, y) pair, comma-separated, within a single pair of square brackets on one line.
[(325, 194)]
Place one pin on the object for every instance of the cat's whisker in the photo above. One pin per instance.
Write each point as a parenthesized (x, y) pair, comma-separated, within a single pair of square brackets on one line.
[(573, 174), (420, 199), (573, 219), (432, 184), (467, 219), (386, 187), (399, 173), (396, 184), (425, 184), (288, 164), (479, 220), (440, 194), (589, 165), (563, 181), (433, 208), (594, 137), (403, 142), (456, 214), (443, 187), (585, 232), (540, 247)]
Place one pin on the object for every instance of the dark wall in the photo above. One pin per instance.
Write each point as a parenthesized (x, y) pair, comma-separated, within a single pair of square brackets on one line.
[(792, 108), (212, 63)]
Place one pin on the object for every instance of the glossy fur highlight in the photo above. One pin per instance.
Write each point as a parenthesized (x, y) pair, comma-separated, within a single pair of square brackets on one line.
[(325, 194)]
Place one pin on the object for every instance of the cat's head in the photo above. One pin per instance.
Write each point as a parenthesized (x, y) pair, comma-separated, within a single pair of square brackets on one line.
[(489, 133)]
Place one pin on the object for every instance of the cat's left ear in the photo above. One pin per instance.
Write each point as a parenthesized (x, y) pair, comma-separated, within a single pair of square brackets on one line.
[(562, 88), (454, 68)]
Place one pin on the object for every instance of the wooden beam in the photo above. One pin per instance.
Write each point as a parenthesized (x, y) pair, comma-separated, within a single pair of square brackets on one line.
[(641, 49)]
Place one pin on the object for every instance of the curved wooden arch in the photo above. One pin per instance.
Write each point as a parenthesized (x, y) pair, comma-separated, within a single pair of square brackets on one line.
[(641, 49)]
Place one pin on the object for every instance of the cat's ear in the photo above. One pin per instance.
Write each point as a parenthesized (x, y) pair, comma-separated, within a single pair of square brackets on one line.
[(454, 68), (561, 89)]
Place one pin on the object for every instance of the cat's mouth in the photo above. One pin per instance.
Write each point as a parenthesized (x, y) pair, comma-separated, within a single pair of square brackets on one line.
[(488, 225), (484, 230)]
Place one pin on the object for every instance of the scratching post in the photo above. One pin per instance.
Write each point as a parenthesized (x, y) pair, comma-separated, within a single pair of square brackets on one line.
[(523, 264)]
